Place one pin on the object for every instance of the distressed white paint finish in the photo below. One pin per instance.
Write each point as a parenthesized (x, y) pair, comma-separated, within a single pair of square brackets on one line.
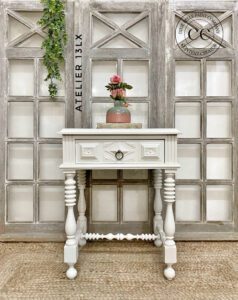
[(120, 236), (170, 252), (82, 220), (118, 133), (158, 221), (142, 149), (71, 246), (171, 150), (104, 151), (145, 147)]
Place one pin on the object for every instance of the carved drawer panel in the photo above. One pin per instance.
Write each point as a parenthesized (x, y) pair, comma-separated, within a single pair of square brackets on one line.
[(123, 151)]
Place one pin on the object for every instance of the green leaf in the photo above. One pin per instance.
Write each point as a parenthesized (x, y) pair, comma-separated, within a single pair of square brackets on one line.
[(52, 90), (53, 21), (128, 86)]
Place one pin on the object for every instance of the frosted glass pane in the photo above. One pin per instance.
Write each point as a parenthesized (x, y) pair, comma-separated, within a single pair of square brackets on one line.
[(219, 203), (50, 159), (104, 174), (189, 160), (187, 205), (135, 174), (33, 16), (218, 120), (34, 41), (139, 113), (99, 111), (20, 161), (187, 78), (20, 119), (52, 119), (227, 30), (51, 206), (219, 161), (218, 78), (187, 119), (120, 18), (104, 203), (136, 73), (101, 73), (20, 203), (43, 85), (100, 30), (141, 30), (135, 203), (119, 42), (21, 77), (15, 29)]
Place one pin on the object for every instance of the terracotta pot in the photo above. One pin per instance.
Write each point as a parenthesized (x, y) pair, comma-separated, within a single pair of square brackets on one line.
[(118, 113)]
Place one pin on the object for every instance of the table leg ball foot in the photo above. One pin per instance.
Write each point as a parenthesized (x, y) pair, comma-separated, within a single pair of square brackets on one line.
[(158, 243), (169, 273), (71, 273)]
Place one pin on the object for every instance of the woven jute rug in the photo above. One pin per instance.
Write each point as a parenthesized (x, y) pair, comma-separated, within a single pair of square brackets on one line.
[(119, 270)]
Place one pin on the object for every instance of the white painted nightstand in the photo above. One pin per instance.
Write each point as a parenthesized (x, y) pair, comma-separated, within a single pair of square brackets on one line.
[(92, 149)]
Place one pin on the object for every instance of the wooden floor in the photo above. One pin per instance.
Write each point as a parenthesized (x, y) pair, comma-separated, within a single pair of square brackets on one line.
[(119, 270)]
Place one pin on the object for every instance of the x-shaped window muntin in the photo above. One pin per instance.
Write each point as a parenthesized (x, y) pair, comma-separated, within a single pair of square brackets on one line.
[(120, 30), (33, 28), (198, 27)]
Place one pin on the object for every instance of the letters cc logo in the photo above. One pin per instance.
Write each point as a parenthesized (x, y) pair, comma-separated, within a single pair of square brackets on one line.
[(202, 33), (199, 33)]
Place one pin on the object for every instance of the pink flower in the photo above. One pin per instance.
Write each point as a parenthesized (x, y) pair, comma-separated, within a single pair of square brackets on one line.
[(121, 93), (113, 93), (115, 79), (118, 94)]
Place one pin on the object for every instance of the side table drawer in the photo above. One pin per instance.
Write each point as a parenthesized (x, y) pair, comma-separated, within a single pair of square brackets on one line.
[(122, 151)]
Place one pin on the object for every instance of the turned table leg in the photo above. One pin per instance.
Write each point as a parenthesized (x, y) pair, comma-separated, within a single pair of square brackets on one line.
[(82, 220), (71, 246), (170, 252), (158, 221)]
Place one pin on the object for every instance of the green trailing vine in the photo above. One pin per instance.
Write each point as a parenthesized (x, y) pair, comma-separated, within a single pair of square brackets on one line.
[(53, 20)]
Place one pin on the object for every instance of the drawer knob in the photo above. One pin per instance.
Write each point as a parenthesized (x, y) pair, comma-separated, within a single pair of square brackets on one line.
[(119, 155)]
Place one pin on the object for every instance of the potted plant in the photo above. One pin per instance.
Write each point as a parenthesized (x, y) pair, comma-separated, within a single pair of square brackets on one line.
[(119, 113)]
